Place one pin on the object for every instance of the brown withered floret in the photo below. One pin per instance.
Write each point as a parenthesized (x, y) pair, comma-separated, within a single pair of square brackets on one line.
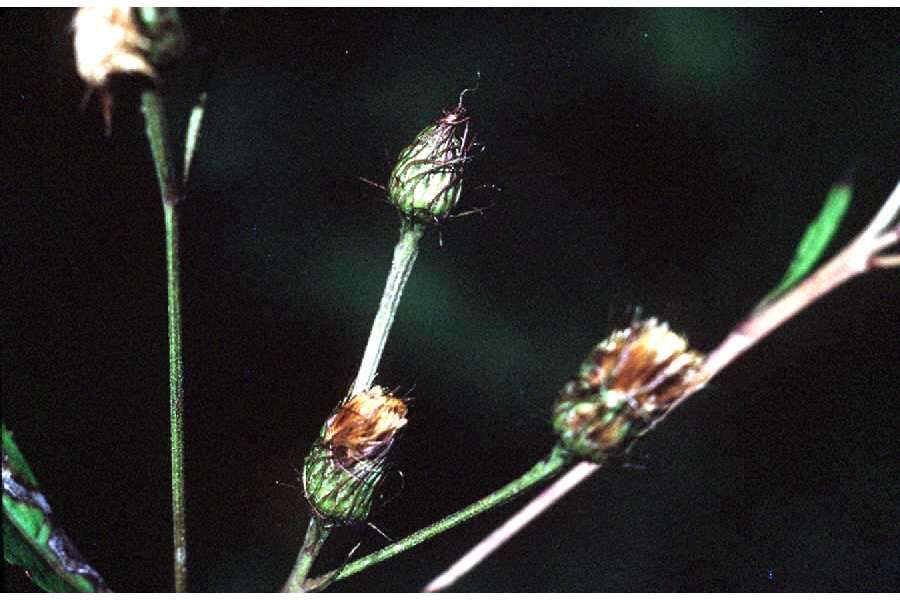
[(629, 380), (646, 362), (364, 427)]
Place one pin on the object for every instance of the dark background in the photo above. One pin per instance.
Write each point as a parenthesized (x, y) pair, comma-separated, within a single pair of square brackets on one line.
[(663, 158)]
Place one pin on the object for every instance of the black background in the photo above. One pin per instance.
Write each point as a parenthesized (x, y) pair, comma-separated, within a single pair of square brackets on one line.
[(663, 158)]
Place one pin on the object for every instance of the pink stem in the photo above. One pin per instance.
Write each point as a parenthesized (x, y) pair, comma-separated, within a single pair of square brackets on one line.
[(486, 547)]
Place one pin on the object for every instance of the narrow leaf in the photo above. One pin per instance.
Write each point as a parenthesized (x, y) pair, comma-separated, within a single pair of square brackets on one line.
[(815, 240), (30, 538)]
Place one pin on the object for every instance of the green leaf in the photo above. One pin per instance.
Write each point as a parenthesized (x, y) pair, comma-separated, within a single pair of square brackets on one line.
[(815, 240), (30, 538)]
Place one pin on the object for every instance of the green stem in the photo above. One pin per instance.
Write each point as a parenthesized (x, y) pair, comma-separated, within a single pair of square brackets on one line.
[(161, 148), (405, 254), (316, 534), (154, 111), (540, 472), (176, 397)]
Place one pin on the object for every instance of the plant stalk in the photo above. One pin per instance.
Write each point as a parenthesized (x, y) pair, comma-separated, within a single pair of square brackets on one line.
[(163, 159), (543, 470), (513, 525), (316, 534), (405, 253), (857, 258)]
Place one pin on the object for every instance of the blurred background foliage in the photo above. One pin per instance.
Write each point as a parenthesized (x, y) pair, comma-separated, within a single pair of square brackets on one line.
[(668, 159)]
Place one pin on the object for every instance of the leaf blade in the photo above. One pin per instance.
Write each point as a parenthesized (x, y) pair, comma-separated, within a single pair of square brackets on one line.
[(30, 538), (815, 240)]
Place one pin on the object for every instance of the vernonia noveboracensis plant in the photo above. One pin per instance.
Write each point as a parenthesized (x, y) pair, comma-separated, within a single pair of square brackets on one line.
[(353, 447)]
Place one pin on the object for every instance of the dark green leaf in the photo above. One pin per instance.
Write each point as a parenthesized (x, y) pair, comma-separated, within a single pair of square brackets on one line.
[(30, 538), (815, 240)]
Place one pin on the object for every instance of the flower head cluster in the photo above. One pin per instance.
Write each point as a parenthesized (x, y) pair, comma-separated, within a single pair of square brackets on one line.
[(426, 182), (347, 461), (629, 380)]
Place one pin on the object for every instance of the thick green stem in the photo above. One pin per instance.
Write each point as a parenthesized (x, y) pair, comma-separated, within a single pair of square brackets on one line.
[(176, 396), (405, 254), (316, 534), (540, 472), (161, 148)]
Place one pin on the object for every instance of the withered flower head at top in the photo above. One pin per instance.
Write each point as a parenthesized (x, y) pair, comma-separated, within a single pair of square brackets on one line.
[(629, 380), (347, 462), (111, 40), (426, 182)]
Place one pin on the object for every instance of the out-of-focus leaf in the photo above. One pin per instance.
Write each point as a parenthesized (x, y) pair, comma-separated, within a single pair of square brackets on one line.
[(815, 240), (31, 540)]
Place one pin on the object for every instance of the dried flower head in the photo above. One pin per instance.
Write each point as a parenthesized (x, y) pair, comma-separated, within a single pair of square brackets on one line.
[(108, 41), (629, 380), (112, 40), (426, 182), (347, 461)]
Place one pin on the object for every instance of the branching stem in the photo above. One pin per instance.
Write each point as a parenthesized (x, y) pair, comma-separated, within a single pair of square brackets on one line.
[(316, 534), (540, 472), (860, 256)]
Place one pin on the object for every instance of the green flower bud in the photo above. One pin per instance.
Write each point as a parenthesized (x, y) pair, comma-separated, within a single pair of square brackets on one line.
[(629, 381), (426, 182), (347, 462)]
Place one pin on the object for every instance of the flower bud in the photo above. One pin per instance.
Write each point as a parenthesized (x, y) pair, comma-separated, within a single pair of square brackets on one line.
[(629, 381), (426, 182), (347, 462)]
